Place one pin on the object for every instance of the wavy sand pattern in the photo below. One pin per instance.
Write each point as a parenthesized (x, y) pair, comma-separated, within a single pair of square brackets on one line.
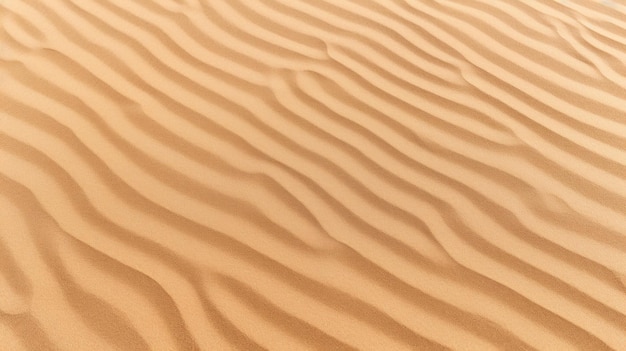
[(312, 174)]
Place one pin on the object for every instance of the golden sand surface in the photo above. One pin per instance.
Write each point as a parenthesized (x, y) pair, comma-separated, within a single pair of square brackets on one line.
[(312, 175)]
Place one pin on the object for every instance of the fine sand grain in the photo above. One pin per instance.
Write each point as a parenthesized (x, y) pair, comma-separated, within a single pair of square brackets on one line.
[(312, 174)]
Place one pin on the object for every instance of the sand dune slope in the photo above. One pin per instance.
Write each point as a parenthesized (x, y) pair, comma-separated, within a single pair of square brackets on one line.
[(312, 174)]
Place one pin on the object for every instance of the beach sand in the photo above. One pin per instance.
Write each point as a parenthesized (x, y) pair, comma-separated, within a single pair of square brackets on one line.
[(312, 175)]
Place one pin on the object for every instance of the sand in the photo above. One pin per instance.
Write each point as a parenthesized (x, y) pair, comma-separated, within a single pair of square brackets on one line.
[(312, 175)]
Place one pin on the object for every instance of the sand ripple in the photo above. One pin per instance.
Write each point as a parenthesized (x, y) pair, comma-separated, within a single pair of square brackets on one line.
[(312, 174)]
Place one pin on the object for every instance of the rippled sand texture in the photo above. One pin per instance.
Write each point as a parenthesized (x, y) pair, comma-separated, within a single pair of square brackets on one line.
[(312, 174)]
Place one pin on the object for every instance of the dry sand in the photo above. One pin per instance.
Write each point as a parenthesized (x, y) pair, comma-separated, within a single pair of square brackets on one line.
[(312, 174)]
